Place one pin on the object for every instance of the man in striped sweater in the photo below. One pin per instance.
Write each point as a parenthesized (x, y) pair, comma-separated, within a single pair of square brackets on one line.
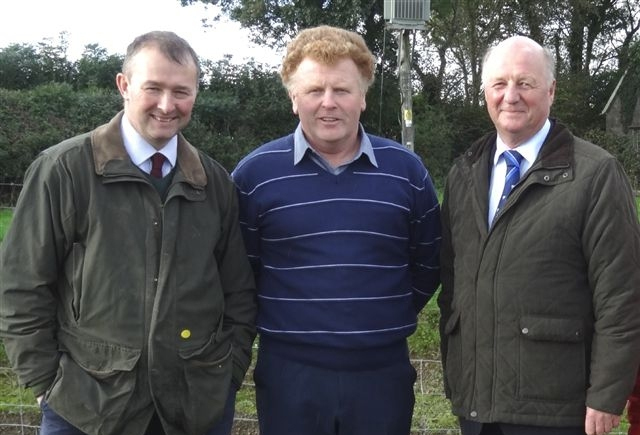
[(343, 231)]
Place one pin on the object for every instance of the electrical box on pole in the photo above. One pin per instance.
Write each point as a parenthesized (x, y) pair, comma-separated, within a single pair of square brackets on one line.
[(406, 16)]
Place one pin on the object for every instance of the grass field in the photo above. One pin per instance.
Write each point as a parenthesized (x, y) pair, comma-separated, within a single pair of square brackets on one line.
[(5, 219)]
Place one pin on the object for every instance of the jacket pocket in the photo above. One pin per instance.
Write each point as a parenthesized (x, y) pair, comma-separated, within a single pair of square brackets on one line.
[(552, 360), (94, 383), (207, 372), (453, 358), (74, 267)]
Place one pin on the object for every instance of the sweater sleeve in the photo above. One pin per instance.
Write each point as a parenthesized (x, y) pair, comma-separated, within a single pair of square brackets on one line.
[(425, 244), (248, 222)]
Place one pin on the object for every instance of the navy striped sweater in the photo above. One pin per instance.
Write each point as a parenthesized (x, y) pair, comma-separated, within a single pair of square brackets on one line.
[(345, 262)]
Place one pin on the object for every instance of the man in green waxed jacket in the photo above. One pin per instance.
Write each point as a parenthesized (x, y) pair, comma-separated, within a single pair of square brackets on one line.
[(126, 297), (540, 295)]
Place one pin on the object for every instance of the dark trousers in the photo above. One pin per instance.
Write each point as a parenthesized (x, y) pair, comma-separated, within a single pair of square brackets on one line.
[(468, 427), (53, 424), (296, 399)]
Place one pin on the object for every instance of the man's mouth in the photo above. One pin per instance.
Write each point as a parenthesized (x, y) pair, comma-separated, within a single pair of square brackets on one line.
[(163, 118)]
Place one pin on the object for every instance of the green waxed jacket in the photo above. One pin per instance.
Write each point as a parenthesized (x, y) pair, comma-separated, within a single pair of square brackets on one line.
[(540, 313), (113, 303)]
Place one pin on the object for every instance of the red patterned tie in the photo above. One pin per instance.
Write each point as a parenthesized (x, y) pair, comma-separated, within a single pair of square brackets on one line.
[(157, 160)]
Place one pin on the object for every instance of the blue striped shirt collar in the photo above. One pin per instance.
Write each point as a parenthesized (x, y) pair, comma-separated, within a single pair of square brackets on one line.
[(300, 147)]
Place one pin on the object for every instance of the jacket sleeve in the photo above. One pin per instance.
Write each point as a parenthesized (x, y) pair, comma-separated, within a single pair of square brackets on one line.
[(611, 245), (425, 244), (445, 297), (239, 288), (31, 256)]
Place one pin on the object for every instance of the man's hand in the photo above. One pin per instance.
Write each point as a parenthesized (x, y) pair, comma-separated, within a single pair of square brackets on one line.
[(39, 399), (599, 423)]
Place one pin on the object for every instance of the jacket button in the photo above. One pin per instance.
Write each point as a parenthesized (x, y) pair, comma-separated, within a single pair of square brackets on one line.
[(185, 334), (525, 330), (473, 414)]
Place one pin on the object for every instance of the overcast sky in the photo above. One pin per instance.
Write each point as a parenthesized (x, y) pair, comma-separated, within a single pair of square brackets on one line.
[(114, 23)]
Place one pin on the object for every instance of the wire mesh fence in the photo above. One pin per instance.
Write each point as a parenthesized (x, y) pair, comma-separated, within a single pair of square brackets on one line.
[(23, 417), (20, 415)]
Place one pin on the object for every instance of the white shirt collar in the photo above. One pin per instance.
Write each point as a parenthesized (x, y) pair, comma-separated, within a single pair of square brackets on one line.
[(529, 149), (140, 151)]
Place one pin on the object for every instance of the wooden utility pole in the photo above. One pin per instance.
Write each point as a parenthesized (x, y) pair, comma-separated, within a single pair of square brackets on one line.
[(406, 16), (404, 75)]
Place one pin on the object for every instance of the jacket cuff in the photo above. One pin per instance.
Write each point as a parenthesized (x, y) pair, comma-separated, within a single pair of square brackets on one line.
[(40, 388), (237, 376)]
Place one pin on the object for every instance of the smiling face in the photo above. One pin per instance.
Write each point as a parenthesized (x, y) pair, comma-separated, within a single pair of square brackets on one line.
[(159, 95), (518, 89), (328, 99)]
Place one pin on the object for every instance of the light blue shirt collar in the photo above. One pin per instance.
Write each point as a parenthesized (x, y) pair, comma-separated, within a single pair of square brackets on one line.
[(140, 151), (301, 145)]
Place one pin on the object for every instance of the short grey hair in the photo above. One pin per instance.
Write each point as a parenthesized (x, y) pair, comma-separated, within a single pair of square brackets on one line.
[(549, 60)]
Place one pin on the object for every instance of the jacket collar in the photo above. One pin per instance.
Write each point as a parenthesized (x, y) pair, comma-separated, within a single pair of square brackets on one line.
[(111, 158), (556, 152), (476, 163)]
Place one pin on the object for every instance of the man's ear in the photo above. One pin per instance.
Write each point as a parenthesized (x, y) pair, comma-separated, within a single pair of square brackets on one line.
[(294, 102), (123, 85)]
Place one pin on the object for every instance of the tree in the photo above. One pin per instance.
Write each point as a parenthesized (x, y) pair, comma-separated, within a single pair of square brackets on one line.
[(274, 22), (19, 67), (97, 68), (54, 65), (24, 66)]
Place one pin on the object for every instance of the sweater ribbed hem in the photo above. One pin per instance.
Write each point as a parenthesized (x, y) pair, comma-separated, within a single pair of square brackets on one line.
[(337, 358)]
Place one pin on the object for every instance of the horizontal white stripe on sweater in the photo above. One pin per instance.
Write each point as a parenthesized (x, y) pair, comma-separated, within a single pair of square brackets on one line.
[(369, 331), (272, 180), (368, 298), (323, 201), (322, 266), (386, 174), (322, 233)]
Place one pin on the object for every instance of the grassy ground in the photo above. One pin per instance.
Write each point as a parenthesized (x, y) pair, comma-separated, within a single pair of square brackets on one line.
[(5, 219)]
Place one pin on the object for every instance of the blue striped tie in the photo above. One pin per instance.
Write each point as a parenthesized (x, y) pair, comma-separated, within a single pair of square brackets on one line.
[(513, 159)]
